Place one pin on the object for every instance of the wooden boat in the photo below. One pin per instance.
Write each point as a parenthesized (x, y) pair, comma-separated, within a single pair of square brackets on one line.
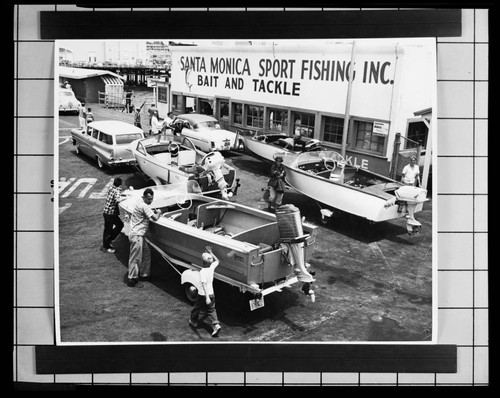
[(168, 158), (259, 252), (265, 144), (325, 177)]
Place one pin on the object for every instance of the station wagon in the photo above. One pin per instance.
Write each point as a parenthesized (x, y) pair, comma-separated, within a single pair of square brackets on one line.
[(107, 142)]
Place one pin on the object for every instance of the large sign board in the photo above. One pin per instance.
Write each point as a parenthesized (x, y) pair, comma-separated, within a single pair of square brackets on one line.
[(315, 78)]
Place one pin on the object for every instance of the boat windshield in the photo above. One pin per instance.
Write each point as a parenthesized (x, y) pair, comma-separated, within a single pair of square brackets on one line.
[(178, 188), (314, 156)]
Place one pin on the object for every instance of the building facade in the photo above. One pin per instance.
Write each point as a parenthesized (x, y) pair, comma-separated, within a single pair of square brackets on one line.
[(308, 90)]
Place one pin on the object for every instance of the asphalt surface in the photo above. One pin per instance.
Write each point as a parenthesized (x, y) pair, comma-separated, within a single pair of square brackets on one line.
[(373, 282)]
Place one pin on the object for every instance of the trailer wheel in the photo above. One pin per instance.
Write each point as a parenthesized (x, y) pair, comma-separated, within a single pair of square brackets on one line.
[(191, 292)]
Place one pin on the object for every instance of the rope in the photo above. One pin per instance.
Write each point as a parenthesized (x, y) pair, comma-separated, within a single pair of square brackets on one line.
[(165, 256)]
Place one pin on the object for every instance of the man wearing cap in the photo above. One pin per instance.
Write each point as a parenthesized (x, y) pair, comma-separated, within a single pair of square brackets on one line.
[(276, 183), (411, 173), (139, 263)]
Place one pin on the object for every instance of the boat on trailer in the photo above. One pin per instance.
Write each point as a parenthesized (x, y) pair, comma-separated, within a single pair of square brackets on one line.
[(265, 144), (168, 158), (259, 252), (326, 177)]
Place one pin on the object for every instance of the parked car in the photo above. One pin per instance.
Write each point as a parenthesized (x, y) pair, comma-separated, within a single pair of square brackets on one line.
[(205, 132), (107, 141), (68, 101)]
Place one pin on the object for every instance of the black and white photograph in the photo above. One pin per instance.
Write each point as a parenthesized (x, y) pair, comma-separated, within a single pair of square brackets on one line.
[(245, 191)]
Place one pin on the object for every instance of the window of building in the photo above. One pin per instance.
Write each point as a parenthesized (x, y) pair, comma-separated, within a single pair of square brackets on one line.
[(224, 109), (237, 113), (255, 116), (177, 102), (303, 124), (278, 120), (366, 139), (162, 94), (417, 132), (334, 129), (205, 107)]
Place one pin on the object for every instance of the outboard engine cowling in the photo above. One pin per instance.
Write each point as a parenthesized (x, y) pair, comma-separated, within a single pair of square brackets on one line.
[(292, 238)]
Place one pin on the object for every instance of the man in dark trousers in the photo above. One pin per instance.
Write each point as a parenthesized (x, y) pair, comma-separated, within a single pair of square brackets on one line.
[(112, 222)]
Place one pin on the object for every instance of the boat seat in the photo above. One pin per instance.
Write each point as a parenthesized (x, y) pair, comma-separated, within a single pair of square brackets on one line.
[(164, 157), (207, 218), (337, 175), (186, 157)]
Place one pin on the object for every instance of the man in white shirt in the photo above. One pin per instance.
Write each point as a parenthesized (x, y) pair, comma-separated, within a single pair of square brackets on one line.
[(411, 173), (139, 263)]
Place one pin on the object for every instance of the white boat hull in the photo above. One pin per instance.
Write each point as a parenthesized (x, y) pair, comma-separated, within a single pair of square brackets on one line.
[(262, 149), (163, 168), (375, 203), (266, 146)]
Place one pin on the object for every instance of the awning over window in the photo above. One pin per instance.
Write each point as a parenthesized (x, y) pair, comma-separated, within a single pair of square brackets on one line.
[(112, 80)]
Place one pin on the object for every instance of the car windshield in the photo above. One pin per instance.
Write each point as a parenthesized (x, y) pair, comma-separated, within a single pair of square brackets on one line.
[(206, 125), (126, 138)]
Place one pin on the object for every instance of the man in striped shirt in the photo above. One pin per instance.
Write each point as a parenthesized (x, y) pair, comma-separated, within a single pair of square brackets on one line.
[(112, 222)]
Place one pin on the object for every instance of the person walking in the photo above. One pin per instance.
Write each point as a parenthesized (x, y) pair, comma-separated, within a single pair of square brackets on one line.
[(276, 183), (137, 117), (205, 301), (82, 115), (113, 225), (411, 173), (89, 117), (156, 125), (139, 263), (128, 101)]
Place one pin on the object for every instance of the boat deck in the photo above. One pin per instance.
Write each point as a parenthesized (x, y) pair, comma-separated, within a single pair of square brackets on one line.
[(228, 220)]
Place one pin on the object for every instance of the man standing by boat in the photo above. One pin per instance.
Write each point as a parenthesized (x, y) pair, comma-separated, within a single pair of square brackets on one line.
[(139, 263), (276, 183), (411, 173)]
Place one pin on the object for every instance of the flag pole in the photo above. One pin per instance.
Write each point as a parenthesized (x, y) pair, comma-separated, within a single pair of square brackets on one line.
[(348, 102)]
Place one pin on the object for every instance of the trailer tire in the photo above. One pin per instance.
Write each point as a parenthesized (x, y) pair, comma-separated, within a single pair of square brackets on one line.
[(191, 292)]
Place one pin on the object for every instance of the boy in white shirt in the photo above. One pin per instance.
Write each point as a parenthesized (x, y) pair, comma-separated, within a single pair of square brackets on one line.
[(205, 302)]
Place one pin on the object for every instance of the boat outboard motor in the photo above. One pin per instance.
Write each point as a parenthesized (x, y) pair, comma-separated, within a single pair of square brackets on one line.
[(292, 240), (411, 196), (213, 162)]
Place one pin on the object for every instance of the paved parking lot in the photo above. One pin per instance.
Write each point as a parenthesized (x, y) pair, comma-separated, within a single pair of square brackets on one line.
[(373, 282)]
